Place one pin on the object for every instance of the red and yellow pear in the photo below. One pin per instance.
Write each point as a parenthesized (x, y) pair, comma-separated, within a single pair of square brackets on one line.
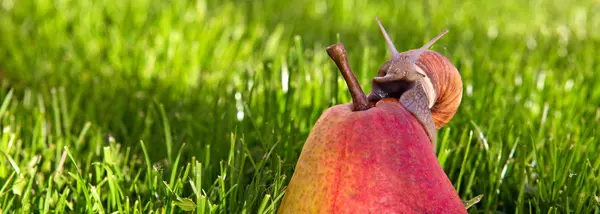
[(376, 154)]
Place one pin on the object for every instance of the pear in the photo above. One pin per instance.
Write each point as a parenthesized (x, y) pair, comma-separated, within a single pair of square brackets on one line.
[(375, 154), (378, 160)]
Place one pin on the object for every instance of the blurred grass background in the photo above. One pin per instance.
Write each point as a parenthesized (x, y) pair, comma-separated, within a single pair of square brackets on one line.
[(169, 106)]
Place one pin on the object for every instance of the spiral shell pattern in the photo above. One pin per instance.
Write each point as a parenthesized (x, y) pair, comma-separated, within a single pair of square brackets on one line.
[(447, 85)]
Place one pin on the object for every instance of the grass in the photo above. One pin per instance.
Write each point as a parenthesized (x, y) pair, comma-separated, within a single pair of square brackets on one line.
[(150, 106)]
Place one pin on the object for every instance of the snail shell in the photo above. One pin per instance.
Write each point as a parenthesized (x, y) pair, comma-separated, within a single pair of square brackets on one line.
[(406, 73), (443, 85)]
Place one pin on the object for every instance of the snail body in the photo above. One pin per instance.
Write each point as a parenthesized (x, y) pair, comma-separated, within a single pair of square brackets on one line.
[(424, 81)]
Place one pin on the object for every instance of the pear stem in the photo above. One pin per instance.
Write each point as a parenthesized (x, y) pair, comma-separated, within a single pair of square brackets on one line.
[(338, 54)]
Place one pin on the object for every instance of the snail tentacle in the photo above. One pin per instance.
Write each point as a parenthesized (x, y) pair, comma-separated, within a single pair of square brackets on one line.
[(424, 81)]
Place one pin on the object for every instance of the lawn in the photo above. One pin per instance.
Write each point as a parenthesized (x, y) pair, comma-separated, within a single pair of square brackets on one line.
[(149, 106)]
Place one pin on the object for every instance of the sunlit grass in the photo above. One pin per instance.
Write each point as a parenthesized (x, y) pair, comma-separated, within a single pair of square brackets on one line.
[(170, 106)]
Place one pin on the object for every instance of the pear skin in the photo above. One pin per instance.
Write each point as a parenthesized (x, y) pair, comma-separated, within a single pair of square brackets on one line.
[(379, 160)]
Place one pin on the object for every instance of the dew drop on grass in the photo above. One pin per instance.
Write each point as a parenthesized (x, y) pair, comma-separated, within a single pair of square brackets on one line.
[(284, 77), (569, 85), (533, 163), (544, 114), (518, 80), (541, 80), (239, 106), (240, 115), (250, 84), (503, 173), (517, 97), (469, 90), (571, 174), (492, 32)]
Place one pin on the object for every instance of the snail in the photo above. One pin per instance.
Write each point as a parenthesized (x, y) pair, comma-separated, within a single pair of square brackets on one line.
[(387, 137), (414, 74)]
